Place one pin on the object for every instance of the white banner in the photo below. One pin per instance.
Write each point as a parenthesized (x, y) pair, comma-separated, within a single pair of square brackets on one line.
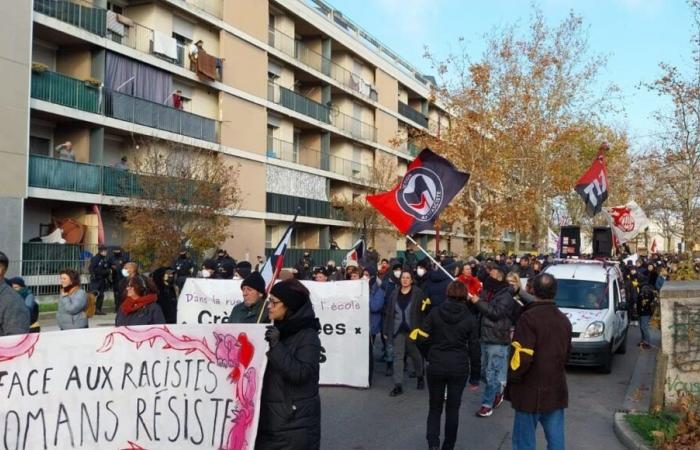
[(147, 387), (341, 306), (627, 221)]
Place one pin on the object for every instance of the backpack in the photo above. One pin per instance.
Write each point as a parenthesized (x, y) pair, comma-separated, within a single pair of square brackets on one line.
[(91, 305)]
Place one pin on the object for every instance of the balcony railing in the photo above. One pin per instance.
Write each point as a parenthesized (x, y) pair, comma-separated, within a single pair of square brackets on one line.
[(63, 90), (412, 149), (297, 102), (410, 113), (80, 15), (288, 151), (300, 51), (319, 256), (356, 127), (287, 204), (212, 7)]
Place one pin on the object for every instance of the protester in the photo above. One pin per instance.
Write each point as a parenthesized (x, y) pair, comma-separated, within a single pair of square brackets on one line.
[(140, 305), (249, 310), (290, 407), (376, 309), (320, 274), (260, 263), (72, 305), (450, 335), (403, 314), (116, 264), (632, 286), (100, 271), (495, 303), (20, 286), (525, 271), (437, 280), (645, 309), (537, 386), (352, 273), (383, 269), (661, 279), (129, 271), (470, 281), (164, 279), (14, 315)]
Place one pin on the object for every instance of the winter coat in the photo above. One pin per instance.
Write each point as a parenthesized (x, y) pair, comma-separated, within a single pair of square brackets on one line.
[(496, 308), (150, 314), (14, 315), (242, 313), (71, 309), (31, 304), (537, 381), (290, 407), (525, 272), (435, 287), (451, 335), (645, 302), (167, 300), (376, 308), (416, 310)]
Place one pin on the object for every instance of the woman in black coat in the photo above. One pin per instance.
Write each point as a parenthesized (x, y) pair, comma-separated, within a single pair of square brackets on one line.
[(140, 306), (450, 338), (290, 410)]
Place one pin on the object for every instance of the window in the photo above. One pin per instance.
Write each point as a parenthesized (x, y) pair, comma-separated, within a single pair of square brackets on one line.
[(269, 231), (271, 141), (616, 294), (39, 146), (115, 8)]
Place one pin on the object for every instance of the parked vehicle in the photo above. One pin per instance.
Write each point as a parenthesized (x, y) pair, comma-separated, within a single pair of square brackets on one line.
[(592, 295)]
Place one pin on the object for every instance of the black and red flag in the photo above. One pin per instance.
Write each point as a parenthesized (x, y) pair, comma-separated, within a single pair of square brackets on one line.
[(429, 185), (593, 185)]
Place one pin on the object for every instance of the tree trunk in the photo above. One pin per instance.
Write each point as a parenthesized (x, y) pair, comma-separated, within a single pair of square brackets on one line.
[(477, 229)]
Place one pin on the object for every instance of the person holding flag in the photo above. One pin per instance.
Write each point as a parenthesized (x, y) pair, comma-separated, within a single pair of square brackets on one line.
[(252, 306)]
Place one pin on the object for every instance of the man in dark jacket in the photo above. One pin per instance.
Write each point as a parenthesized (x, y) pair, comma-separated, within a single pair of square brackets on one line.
[(537, 387), (435, 285), (14, 315), (249, 310), (116, 264), (100, 271), (184, 268), (495, 303), (304, 266), (525, 271)]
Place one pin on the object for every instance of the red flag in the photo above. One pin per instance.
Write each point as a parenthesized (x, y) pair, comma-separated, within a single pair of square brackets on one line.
[(653, 246), (593, 185), (429, 185)]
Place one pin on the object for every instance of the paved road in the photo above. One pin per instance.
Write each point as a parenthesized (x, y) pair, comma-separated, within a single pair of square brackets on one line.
[(356, 419), (368, 419)]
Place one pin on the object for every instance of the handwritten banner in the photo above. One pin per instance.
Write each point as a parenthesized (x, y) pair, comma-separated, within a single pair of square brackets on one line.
[(147, 387), (342, 308)]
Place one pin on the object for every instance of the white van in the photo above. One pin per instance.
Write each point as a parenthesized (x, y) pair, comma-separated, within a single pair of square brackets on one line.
[(592, 295)]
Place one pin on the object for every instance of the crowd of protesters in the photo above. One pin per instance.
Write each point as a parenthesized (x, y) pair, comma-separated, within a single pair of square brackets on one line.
[(480, 329)]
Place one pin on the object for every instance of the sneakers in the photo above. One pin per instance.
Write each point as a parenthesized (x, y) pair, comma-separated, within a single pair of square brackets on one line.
[(421, 384), (497, 401), (398, 390), (485, 411)]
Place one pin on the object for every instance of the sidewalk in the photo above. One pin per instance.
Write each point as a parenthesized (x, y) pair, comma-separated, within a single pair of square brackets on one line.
[(638, 394), (48, 321)]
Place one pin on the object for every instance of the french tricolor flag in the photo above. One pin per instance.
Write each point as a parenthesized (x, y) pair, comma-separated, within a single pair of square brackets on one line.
[(271, 270), (355, 255)]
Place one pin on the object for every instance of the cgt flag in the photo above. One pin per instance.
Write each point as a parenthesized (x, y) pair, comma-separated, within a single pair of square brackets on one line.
[(593, 185), (627, 221), (429, 185)]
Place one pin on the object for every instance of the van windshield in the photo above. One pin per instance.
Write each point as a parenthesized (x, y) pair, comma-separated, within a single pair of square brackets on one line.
[(581, 294)]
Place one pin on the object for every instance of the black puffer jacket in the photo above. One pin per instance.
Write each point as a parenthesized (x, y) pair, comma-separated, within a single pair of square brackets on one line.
[(290, 409), (496, 307), (452, 341)]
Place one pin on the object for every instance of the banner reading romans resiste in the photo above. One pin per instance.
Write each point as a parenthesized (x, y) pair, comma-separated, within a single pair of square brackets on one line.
[(148, 387), (342, 308)]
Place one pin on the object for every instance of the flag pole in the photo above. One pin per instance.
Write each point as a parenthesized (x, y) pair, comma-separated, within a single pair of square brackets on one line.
[(431, 258), (276, 273)]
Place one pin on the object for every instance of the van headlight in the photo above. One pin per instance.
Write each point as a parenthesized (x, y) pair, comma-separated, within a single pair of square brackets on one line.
[(593, 330)]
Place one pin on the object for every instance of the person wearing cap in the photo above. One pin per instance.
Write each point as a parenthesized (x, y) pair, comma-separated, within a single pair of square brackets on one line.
[(243, 269), (14, 316), (20, 286), (100, 271), (290, 406), (184, 268), (248, 311)]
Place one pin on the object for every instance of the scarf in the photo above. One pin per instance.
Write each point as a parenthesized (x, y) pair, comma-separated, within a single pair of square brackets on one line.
[(304, 318), (70, 290), (131, 305)]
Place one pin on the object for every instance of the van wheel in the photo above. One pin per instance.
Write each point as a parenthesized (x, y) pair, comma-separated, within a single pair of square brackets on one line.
[(607, 365), (622, 349)]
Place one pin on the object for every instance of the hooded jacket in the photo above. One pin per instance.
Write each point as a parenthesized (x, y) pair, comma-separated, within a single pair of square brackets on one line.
[(290, 407), (496, 307), (451, 335), (435, 287)]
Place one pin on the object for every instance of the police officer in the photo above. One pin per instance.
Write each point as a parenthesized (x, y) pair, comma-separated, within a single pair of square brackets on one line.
[(184, 268), (225, 265), (99, 277), (116, 264)]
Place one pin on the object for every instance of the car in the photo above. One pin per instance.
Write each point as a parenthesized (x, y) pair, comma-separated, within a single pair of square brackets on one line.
[(592, 295)]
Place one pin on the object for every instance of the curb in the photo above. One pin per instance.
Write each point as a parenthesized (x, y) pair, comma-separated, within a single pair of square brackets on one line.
[(626, 435)]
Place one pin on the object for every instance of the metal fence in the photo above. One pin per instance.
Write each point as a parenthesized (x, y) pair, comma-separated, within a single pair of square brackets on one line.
[(78, 14), (297, 102), (287, 204), (356, 127), (319, 257), (410, 113), (63, 90), (289, 151)]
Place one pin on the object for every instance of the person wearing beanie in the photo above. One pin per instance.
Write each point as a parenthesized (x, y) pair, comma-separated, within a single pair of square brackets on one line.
[(20, 286), (243, 269), (248, 311), (290, 406), (321, 274)]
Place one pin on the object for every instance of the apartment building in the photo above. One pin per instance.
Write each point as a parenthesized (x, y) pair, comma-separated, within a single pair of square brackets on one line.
[(306, 102)]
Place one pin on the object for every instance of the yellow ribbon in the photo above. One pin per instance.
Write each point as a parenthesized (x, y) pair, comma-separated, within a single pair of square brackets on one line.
[(425, 304), (515, 360), (414, 334)]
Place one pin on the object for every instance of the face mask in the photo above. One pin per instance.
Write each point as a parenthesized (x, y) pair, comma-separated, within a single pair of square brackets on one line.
[(125, 272), (206, 274), (420, 271), (397, 273), (236, 277)]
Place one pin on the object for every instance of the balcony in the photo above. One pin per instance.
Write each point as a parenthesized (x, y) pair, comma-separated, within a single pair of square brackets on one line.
[(287, 204), (297, 102), (288, 151), (299, 51), (73, 93), (319, 256), (410, 113), (356, 127), (94, 20)]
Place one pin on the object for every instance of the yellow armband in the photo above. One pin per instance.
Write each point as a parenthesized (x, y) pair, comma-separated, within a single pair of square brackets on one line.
[(424, 304), (416, 332), (515, 360)]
